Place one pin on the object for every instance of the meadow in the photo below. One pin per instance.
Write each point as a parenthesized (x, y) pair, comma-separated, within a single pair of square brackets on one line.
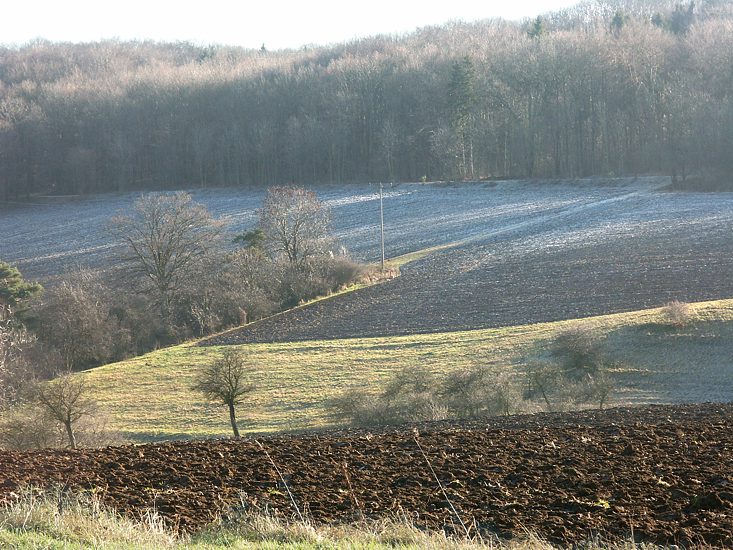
[(150, 397)]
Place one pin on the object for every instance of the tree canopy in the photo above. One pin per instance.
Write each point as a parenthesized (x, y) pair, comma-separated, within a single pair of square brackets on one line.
[(610, 87), (294, 224), (163, 237)]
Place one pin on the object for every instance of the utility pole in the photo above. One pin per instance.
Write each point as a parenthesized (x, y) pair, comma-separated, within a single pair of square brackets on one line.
[(381, 221)]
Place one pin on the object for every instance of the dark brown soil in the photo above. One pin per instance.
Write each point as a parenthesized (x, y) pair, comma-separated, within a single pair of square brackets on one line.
[(497, 284), (663, 473)]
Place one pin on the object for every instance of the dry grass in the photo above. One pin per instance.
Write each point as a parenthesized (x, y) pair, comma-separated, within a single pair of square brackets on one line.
[(35, 521), (57, 520), (149, 397)]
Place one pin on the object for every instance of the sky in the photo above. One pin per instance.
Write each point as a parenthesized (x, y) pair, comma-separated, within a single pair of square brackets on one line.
[(247, 23)]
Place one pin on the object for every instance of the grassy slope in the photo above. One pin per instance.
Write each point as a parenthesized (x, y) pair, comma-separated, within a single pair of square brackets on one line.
[(149, 397)]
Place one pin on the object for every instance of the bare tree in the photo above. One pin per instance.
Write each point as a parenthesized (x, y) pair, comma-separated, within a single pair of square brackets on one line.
[(163, 237), (14, 368), (224, 380), (77, 320), (295, 224), (66, 400)]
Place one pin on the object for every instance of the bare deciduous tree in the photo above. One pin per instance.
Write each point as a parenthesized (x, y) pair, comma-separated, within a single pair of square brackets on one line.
[(163, 237), (14, 340), (77, 320), (225, 380), (295, 224), (66, 400)]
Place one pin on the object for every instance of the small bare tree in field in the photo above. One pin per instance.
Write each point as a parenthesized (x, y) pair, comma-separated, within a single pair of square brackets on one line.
[(225, 380), (66, 400), (163, 237), (295, 224)]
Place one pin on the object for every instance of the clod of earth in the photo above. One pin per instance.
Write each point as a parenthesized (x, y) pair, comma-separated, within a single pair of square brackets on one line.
[(663, 473)]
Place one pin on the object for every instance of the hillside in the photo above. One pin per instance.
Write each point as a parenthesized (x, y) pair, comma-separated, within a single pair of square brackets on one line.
[(149, 397), (605, 88), (540, 258), (490, 271)]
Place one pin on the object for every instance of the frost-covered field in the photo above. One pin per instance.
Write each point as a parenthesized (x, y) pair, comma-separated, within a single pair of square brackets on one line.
[(526, 251), (44, 239)]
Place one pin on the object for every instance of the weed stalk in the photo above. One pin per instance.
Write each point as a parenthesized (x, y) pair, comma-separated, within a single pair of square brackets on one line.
[(279, 473), (447, 499)]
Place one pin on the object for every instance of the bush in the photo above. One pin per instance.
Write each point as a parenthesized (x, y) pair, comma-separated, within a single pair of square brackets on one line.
[(77, 319), (408, 396), (677, 314), (578, 350), (593, 389), (320, 276), (26, 427), (574, 371), (341, 271), (415, 394)]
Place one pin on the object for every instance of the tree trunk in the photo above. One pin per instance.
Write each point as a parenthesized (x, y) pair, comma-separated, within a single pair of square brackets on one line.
[(70, 434), (233, 420)]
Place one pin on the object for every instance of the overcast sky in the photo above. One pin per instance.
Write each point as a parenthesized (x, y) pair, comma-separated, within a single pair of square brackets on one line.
[(277, 24)]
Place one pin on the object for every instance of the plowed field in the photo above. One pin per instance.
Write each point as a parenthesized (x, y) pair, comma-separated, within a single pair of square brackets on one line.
[(522, 252), (663, 473), (617, 254)]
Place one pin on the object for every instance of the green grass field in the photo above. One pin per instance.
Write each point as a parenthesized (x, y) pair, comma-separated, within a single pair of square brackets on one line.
[(149, 397)]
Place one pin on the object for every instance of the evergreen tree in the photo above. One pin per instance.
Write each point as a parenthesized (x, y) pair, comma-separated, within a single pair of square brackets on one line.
[(682, 18), (14, 289), (537, 28), (618, 22), (461, 105)]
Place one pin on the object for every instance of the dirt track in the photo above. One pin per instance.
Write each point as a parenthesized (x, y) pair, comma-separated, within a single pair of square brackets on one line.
[(665, 473)]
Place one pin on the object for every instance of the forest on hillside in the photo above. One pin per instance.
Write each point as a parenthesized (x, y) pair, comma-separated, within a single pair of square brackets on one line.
[(617, 87)]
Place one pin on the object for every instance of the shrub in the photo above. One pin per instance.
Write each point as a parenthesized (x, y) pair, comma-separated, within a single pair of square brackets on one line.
[(593, 389), (543, 380), (578, 350), (408, 396), (574, 371), (77, 319), (341, 271), (677, 314), (356, 407), (25, 427), (415, 394), (477, 392)]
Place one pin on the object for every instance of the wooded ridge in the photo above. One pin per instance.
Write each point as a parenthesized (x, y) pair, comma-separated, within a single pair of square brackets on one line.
[(604, 88)]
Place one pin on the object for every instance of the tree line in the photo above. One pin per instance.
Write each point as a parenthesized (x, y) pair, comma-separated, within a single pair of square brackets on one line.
[(605, 88)]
